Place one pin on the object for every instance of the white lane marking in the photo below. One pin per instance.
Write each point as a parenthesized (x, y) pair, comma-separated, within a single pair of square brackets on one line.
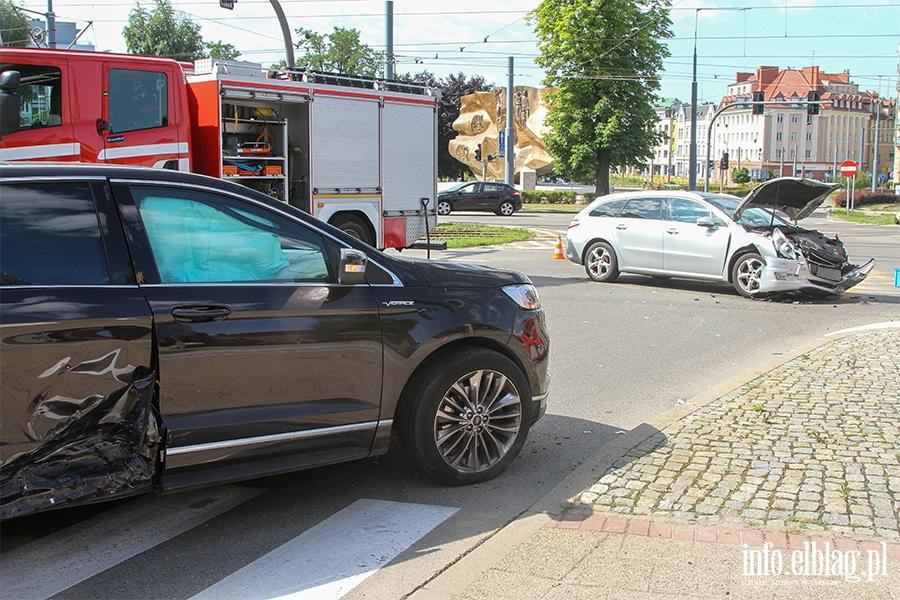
[(330, 559), (63, 559), (871, 327), (41, 151)]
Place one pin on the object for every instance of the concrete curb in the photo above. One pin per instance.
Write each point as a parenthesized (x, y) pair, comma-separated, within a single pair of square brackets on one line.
[(496, 547)]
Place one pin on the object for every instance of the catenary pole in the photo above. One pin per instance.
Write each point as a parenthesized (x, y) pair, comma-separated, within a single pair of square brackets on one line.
[(510, 140)]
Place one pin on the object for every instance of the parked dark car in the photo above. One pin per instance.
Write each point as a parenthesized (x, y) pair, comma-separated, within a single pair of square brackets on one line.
[(500, 198), (162, 330)]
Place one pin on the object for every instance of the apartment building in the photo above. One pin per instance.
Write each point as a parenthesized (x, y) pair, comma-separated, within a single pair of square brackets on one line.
[(786, 140)]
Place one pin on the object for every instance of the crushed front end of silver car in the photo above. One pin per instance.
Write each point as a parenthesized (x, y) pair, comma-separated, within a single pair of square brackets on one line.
[(800, 259), (808, 261)]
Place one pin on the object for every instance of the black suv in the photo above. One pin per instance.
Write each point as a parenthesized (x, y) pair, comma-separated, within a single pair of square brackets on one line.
[(500, 198), (162, 330)]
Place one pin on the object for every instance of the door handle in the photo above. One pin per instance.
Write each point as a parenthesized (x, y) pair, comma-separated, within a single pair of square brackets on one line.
[(200, 314), (621, 227), (673, 231)]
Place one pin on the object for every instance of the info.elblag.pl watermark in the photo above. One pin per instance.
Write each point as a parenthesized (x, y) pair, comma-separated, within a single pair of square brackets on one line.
[(813, 561)]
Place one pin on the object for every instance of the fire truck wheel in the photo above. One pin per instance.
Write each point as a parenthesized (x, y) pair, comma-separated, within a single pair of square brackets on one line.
[(352, 225)]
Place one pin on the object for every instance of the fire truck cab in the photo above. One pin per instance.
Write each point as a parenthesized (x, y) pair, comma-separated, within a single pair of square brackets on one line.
[(360, 154)]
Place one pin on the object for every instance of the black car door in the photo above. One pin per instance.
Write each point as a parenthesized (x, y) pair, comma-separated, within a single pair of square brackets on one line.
[(468, 197), (490, 196), (76, 400), (266, 363)]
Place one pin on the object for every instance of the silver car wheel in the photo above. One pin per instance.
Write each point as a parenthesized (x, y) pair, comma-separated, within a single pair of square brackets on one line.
[(443, 207), (478, 421), (747, 274), (506, 209), (600, 262)]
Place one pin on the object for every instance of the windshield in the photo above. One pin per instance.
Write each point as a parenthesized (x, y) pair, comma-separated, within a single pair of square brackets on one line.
[(757, 217)]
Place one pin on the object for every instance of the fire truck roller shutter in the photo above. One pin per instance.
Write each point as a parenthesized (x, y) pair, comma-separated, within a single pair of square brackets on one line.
[(345, 144), (409, 162)]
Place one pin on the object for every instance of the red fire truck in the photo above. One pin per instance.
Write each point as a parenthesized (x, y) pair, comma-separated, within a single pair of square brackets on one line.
[(360, 154)]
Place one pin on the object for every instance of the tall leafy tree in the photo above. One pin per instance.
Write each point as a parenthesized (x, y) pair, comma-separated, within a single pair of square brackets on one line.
[(163, 32), (13, 25), (604, 58), (338, 52), (221, 50), (453, 87)]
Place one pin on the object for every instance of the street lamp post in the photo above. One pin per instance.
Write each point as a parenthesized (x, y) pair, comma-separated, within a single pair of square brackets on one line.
[(692, 167), (692, 154)]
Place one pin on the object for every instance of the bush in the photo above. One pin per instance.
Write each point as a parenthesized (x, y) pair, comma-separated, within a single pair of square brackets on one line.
[(549, 197), (864, 198)]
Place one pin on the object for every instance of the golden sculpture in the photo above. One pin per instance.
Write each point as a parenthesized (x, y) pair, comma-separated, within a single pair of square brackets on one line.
[(482, 116)]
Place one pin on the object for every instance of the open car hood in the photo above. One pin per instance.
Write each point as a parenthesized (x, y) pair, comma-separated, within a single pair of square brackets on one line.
[(795, 197)]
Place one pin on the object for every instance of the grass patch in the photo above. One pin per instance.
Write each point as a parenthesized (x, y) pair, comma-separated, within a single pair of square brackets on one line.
[(858, 216), (467, 235)]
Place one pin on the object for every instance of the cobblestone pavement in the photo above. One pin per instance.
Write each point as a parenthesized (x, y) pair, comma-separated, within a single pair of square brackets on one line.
[(811, 446)]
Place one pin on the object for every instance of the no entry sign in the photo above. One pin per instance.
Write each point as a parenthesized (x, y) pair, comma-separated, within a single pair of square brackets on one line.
[(848, 168)]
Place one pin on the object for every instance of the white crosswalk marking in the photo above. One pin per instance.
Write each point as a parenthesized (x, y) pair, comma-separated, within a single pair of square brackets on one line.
[(74, 554), (330, 559)]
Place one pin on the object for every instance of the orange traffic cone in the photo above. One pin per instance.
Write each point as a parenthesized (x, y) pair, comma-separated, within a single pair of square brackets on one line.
[(558, 253)]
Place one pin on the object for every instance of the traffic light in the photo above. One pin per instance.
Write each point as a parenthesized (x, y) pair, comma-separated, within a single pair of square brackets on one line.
[(478, 152), (812, 97), (759, 109), (712, 164), (724, 161)]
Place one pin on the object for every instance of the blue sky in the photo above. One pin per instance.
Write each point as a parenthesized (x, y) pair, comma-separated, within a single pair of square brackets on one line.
[(477, 36)]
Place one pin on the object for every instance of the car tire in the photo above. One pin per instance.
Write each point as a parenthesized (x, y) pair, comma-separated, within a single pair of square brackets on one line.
[(444, 207), (354, 226), (467, 417), (600, 262), (506, 209), (745, 274)]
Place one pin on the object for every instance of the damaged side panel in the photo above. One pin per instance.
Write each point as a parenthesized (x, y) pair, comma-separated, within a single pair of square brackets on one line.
[(78, 419)]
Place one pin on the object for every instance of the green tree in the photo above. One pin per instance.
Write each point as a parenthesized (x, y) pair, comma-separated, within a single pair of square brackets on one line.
[(338, 52), (221, 50), (604, 58), (163, 32), (453, 87), (741, 175), (13, 26)]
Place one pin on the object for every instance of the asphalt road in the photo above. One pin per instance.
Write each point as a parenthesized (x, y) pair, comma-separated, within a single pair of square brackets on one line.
[(622, 353)]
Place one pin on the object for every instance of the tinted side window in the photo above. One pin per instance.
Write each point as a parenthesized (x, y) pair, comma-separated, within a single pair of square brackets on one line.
[(200, 237), (137, 100), (643, 208), (608, 209), (50, 235)]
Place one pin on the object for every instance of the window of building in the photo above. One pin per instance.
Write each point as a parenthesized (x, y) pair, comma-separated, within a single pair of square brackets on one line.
[(794, 119), (778, 136), (809, 137), (779, 118), (794, 136), (809, 154)]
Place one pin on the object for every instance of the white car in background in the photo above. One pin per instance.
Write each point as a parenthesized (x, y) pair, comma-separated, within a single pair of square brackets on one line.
[(753, 243)]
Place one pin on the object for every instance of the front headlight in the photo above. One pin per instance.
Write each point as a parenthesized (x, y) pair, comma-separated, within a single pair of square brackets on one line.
[(784, 247), (523, 294)]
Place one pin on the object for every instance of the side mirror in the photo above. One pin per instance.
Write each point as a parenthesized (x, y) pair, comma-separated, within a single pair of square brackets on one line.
[(352, 268), (9, 102), (706, 222)]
